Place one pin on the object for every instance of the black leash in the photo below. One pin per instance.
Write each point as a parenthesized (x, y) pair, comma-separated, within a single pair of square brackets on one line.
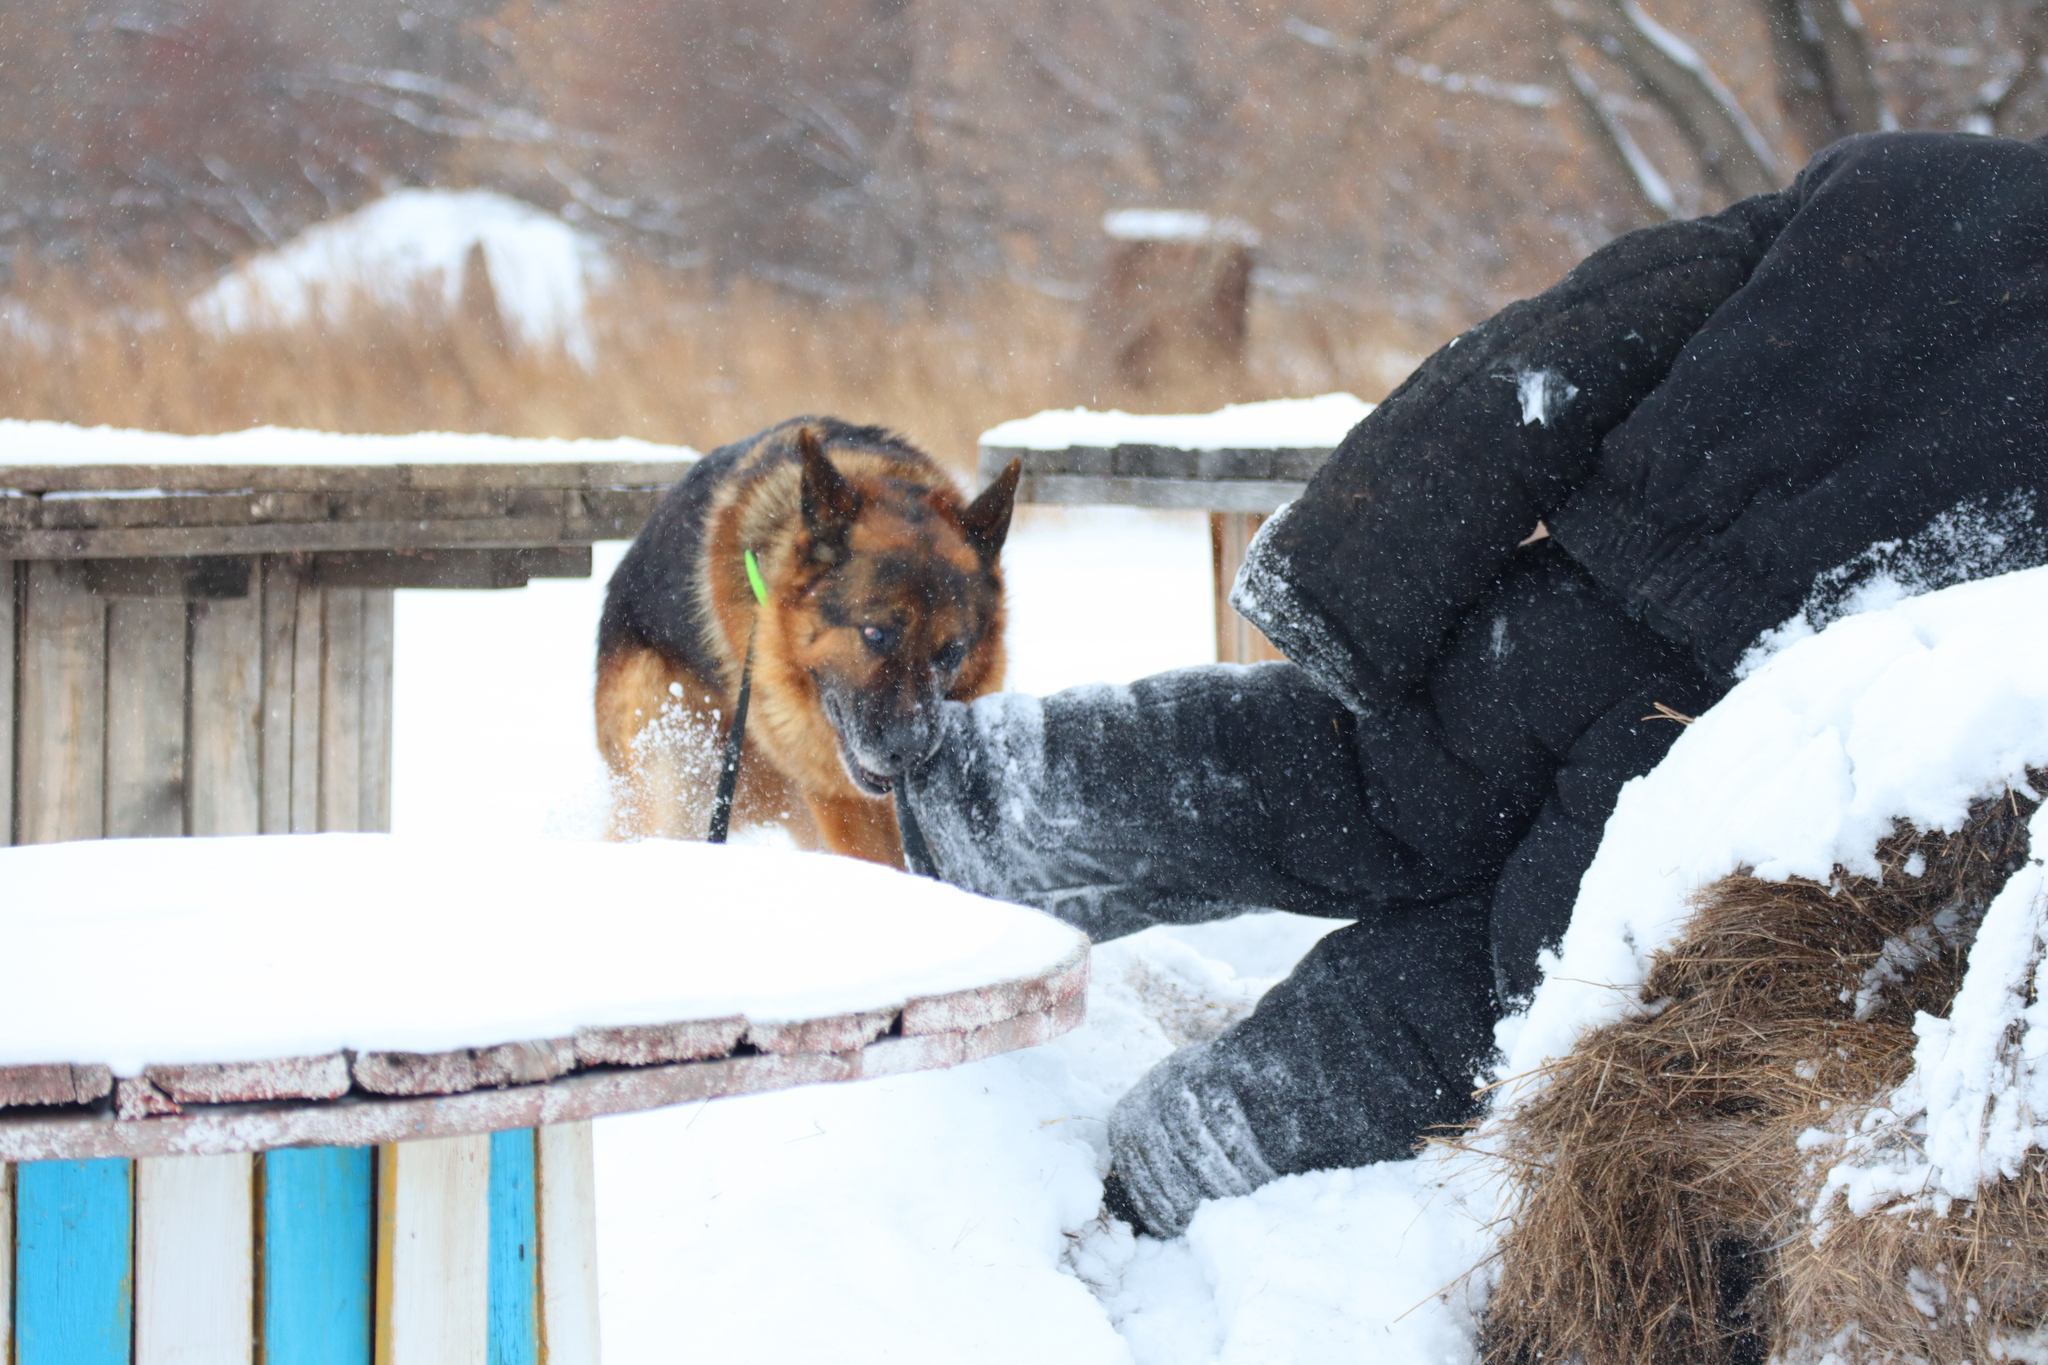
[(729, 765), (917, 855)]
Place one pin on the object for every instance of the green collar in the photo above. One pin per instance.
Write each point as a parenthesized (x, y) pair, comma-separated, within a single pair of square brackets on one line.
[(755, 581)]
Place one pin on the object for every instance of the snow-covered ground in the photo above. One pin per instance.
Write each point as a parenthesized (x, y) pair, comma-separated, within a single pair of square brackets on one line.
[(952, 1215), (542, 270)]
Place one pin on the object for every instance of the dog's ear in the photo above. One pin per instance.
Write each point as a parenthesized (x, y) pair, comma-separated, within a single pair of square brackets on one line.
[(987, 518), (830, 502)]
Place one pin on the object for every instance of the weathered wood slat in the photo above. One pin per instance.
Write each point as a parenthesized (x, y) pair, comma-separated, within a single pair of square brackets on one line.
[(653, 1044), (204, 578), (341, 711), (514, 1336), (446, 568), (310, 478), (8, 591), (225, 762), (433, 1252), (146, 643), (1238, 641), (73, 1285), (281, 1078), (59, 1083), (1195, 495), (6, 1262), (280, 616), (289, 537), (61, 744), (306, 699), (568, 1242), (319, 1257), (839, 1033), (380, 638), (195, 1272)]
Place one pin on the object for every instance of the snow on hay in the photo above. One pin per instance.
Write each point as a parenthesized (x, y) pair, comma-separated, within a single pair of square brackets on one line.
[(542, 270)]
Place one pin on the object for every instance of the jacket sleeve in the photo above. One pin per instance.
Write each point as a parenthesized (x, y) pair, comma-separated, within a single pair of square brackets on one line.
[(1416, 513)]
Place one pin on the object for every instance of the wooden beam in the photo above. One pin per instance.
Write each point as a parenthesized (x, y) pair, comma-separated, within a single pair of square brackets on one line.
[(433, 1252), (447, 568), (225, 758), (319, 1257), (146, 661), (61, 741), (200, 579), (195, 1271), (300, 537), (73, 1282), (515, 1325), (1188, 495), (340, 478), (567, 1181), (1238, 641)]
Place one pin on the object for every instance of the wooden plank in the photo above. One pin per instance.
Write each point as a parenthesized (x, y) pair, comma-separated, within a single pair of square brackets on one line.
[(7, 1262), (514, 1250), (447, 568), (568, 1243), (380, 638), (73, 1278), (275, 732), (279, 1078), (319, 1257), (309, 640), (146, 641), (1193, 495), (225, 759), (1238, 641), (61, 740), (59, 1083), (341, 711), (300, 537), (195, 1263), (343, 478), (8, 596), (201, 578), (434, 1255)]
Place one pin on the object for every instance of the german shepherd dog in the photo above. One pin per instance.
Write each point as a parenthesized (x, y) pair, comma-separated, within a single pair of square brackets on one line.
[(883, 595)]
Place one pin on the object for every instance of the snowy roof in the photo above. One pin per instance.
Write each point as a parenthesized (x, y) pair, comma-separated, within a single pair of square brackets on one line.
[(542, 270), (1176, 225), (51, 444), (1280, 424), (239, 949)]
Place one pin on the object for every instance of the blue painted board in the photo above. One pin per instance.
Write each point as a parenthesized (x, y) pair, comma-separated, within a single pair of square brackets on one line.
[(515, 1248), (74, 1277), (319, 1261)]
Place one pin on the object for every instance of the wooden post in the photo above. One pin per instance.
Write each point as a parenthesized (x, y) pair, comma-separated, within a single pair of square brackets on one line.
[(63, 716), (225, 765), (319, 1255), (515, 1327), (1238, 641), (195, 1271)]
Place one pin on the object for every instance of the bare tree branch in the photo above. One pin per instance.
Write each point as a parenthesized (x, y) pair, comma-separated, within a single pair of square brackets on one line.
[(1731, 151), (1826, 79), (1654, 191)]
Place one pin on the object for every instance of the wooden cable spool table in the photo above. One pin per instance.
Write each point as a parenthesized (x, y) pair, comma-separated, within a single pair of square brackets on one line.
[(327, 1098), (1239, 465), (196, 632)]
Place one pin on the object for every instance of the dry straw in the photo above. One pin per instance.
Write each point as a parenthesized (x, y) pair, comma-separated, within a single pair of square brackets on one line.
[(1660, 1205)]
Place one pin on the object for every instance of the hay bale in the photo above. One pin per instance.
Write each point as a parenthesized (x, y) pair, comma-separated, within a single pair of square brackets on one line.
[(1659, 1201)]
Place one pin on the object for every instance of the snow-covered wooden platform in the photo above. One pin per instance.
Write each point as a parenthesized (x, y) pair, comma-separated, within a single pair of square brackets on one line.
[(357, 1070)]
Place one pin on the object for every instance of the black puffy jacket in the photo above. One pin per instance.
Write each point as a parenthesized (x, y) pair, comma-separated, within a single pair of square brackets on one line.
[(1730, 422)]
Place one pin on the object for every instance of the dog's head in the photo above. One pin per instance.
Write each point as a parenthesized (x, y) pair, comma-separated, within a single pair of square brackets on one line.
[(904, 606)]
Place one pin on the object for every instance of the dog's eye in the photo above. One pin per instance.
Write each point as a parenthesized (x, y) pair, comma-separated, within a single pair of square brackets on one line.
[(878, 638), (950, 658)]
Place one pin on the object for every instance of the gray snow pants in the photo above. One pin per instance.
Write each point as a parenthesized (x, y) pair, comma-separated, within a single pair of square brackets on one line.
[(1452, 828)]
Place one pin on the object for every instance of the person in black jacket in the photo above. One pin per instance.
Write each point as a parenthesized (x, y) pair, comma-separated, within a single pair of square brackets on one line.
[(1735, 429)]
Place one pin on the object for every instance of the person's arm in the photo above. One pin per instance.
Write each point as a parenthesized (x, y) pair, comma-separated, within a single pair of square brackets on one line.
[(1418, 510)]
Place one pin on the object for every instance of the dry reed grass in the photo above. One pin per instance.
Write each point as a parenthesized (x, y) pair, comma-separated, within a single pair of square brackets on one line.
[(1660, 1204), (678, 361)]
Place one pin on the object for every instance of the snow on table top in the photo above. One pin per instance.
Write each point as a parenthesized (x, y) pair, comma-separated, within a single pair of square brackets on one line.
[(1280, 424), (168, 951), (60, 443), (1910, 712)]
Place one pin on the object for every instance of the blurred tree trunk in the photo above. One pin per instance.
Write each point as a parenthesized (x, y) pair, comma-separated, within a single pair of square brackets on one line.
[(1827, 86)]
